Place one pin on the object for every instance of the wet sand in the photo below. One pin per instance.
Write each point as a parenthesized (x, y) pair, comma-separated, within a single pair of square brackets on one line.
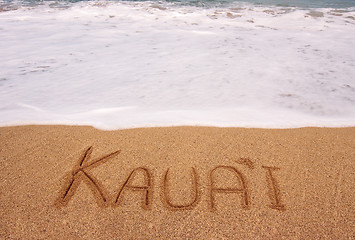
[(77, 182)]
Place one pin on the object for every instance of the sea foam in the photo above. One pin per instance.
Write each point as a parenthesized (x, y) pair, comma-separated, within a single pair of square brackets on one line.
[(119, 65)]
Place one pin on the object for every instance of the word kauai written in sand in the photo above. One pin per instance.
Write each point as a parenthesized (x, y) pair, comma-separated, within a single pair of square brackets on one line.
[(81, 174)]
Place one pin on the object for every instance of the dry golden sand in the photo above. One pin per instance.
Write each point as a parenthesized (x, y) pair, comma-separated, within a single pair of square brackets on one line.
[(70, 182)]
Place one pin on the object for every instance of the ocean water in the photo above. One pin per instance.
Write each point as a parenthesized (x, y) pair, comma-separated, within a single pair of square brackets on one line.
[(211, 3), (124, 64)]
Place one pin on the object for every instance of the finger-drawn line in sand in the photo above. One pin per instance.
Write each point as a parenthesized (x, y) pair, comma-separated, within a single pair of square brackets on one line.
[(194, 200), (243, 190), (245, 161), (274, 189), (146, 188), (80, 174)]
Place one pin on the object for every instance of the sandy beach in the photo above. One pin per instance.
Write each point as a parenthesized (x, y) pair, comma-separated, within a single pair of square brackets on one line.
[(77, 182)]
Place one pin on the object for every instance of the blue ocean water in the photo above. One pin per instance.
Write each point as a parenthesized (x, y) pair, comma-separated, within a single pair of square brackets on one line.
[(212, 3)]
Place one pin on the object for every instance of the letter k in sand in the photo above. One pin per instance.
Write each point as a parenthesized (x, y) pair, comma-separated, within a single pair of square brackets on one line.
[(81, 173)]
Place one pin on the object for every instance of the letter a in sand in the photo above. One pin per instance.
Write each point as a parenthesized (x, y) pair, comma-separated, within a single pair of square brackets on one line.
[(242, 189), (146, 188)]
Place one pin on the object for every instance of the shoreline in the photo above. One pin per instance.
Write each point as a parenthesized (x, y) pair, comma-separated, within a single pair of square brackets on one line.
[(172, 126), (176, 182)]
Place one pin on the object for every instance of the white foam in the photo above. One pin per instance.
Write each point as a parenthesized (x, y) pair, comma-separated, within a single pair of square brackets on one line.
[(121, 65)]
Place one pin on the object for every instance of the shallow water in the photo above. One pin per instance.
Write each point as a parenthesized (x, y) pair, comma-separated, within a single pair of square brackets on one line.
[(210, 3), (114, 64)]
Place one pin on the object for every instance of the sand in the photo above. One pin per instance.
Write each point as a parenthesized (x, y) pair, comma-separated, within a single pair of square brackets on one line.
[(74, 182)]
